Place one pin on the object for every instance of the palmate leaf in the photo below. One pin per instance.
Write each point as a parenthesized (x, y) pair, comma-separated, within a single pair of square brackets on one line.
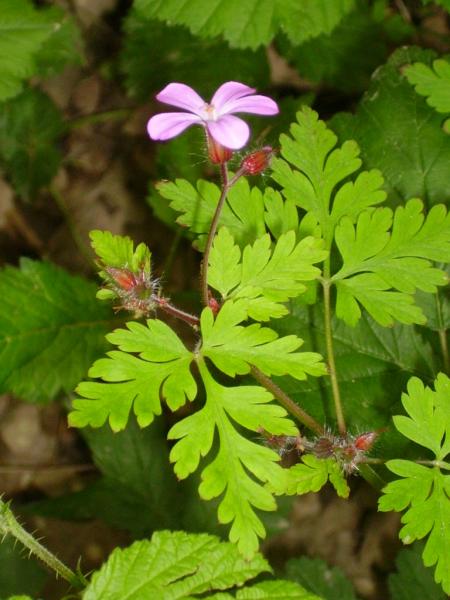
[(311, 475), (242, 214), (249, 23), (408, 145), (261, 277), (424, 491), (377, 261), (237, 456), (30, 128), (233, 348), (51, 329), (172, 565), (317, 169), (163, 367)]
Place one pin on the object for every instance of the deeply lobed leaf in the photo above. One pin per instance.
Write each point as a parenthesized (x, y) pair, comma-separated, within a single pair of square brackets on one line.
[(240, 464), (422, 490), (433, 83), (261, 277), (162, 368)]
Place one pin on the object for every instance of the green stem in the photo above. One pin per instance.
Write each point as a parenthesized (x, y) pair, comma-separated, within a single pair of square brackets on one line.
[(326, 283), (10, 525), (287, 402), (442, 332), (212, 232)]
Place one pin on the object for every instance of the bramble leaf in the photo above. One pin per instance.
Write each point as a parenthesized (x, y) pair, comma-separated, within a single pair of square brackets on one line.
[(154, 54), (237, 456), (311, 475), (258, 21), (424, 491), (30, 127), (317, 169), (261, 277), (182, 566), (233, 348), (162, 368), (330, 583), (242, 214), (413, 581), (51, 329), (400, 134), (377, 261), (277, 589)]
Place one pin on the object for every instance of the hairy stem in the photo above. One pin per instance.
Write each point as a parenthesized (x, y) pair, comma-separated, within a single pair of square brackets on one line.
[(10, 525), (287, 402), (330, 352), (442, 332), (212, 231), (165, 306)]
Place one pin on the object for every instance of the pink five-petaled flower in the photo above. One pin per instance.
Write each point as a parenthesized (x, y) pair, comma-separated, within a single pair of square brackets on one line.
[(216, 116)]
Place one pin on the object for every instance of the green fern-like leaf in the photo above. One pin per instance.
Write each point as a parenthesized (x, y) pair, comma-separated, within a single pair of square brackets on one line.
[(433, 83), (228, 473), (313, 170), (425, 491), (242, 214), (162, 367), (261, 277), (377, 261), (311, 475), (233, 348)]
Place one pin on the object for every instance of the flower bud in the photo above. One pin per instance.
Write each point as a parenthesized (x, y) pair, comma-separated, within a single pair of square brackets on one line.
[(123, 278), (217, 153), (257, 161)]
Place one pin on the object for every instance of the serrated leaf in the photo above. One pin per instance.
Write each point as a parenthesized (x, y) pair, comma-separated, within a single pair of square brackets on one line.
[(154, 54), (23, 29), (233, 348), (311, 475), (413, 581), (330, 583), (263, 276), (424, 491), (118, 251), (433, 83), (317, 169), (400, 134), (242, 214), (237, 456), (132, 382), (339, 58), (30, 127), (182, 566), (51, 329), (278, 589), (377, 261), (251, 23)]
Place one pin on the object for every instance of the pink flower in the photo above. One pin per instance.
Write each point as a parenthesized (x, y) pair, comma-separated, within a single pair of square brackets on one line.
[(217, 116)]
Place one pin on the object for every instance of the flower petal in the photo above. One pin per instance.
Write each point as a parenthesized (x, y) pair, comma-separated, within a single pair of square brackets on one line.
[(168, 125), (231, 132), (258, 105), (181, 96), (232, 90)]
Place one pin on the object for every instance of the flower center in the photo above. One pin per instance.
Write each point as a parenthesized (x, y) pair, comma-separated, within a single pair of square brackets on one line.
[(209, 112)]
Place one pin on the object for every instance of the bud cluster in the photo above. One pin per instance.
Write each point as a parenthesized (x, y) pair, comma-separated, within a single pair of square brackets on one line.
[(135, 290), (348, 450)]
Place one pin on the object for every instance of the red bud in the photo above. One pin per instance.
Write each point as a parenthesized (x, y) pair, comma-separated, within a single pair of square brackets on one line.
[(218, 154), (366, 440), (124, 278), (257, 162)]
